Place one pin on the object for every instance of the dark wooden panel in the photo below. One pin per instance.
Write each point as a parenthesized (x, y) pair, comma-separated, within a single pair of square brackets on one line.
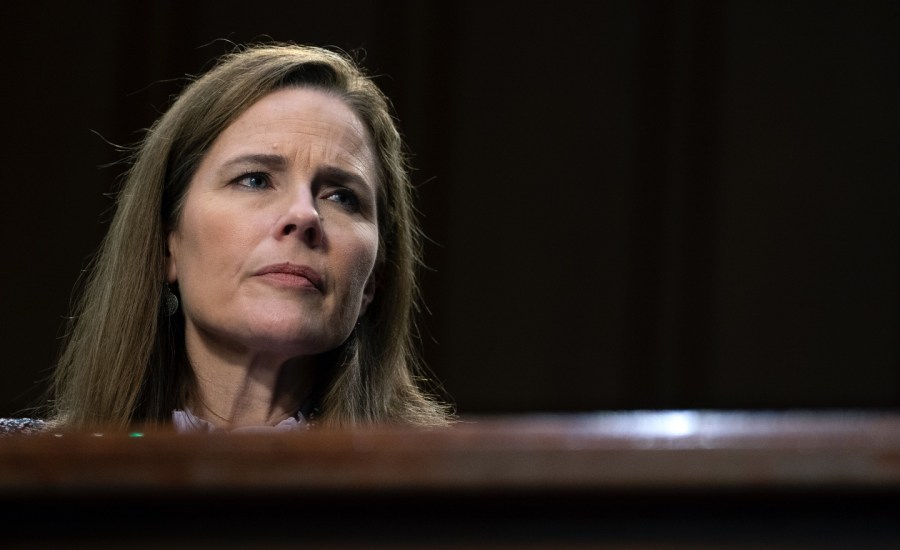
[(680, 479)]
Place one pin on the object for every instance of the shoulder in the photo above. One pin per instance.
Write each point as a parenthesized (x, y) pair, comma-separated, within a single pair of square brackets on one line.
[(21, 426)]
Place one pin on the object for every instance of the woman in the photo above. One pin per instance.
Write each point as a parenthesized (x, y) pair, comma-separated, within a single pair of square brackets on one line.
[(260, 267)]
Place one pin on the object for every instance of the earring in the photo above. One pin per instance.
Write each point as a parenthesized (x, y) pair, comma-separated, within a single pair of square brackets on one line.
[(171, 300)]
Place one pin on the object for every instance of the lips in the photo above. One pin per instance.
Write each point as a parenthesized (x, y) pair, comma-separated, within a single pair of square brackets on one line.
[(292, 274)]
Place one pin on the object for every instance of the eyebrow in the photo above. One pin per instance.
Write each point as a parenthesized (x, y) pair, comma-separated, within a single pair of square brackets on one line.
[(278, 162), (333, 173), (269, 161)]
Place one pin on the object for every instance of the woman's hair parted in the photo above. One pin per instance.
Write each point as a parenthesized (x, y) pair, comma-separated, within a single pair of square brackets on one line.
[(124, 360)]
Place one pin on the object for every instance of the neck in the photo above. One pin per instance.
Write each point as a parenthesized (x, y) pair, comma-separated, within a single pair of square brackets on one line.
[(238, 387)]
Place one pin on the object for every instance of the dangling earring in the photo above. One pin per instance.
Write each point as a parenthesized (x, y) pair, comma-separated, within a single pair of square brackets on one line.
[(171, 300)]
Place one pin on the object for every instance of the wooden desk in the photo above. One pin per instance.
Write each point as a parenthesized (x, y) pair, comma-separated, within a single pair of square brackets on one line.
[(680, 479)]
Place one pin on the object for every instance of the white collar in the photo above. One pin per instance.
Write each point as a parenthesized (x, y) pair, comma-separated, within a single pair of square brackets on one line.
[(184, 421)]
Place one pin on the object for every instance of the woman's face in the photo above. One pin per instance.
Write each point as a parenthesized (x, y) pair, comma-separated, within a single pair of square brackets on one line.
[(276, 242)]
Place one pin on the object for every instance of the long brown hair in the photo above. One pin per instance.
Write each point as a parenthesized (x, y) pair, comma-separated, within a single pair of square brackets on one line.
[(124, 360)]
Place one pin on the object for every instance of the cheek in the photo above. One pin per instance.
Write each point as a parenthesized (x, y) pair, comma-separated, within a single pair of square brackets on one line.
[(367, 254), (359, 261), (210, 245)]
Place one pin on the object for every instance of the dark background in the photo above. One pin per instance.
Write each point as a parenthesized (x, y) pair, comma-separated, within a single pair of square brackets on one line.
[(630, 204)]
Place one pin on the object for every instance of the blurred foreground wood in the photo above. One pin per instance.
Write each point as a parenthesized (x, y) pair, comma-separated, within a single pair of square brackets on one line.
[(679, 479)]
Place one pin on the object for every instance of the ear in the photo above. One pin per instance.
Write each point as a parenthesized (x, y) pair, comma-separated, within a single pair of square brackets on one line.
[(171, 254), (368, 293)]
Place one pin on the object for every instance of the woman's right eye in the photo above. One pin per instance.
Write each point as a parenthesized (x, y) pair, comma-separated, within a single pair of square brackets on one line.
[(253, 180)]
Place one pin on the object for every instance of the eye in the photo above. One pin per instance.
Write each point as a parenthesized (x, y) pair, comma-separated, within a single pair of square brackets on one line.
[(345, 198), (253, 180)]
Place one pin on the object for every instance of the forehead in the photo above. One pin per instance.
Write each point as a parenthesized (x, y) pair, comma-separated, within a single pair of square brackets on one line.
[(300, 121)]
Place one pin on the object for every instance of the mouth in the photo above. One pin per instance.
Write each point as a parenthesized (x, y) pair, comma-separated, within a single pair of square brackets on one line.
[(292, 275)]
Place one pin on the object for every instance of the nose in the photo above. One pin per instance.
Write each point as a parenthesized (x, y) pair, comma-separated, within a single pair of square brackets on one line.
[(302, 219)]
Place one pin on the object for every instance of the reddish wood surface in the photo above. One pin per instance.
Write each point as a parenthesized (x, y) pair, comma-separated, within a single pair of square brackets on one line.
[(627, 450), (679, 479)]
